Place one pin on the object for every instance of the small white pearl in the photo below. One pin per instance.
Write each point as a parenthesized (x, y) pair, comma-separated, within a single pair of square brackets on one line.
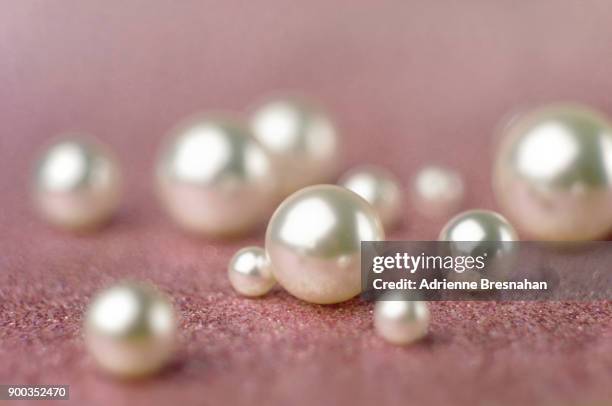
[(401, 321), (553, 173), (249, 272), (378, 187), (130, 330), (437, 191), (301, 139), (77, 183), (214, 178), (314, 239)]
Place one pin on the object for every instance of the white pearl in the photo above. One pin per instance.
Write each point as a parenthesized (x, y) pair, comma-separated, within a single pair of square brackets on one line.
[(214, 178), (401, 321), (437, 191), (314, 239), (77, 184), (378, 187), (478, 226), (130, 330), (249, 272), (553, 173), (481, 232), (302, 140)]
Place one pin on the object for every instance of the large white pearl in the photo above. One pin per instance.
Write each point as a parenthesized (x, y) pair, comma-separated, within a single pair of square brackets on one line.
[(314, 239), (214, 178), (401, 321), (437, 191), (302, 140), (481, 232), (249, 272), (130, 330), (553, 173), (76, 183), (378, 187)]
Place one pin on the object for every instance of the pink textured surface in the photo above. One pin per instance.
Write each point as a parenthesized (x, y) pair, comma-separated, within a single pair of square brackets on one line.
[(410, 82)]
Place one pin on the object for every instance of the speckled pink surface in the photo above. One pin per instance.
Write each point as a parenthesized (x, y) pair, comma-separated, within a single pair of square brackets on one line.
[(410, 82)]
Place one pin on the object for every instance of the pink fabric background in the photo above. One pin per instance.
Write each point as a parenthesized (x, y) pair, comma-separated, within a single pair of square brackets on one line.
[(410, 83)]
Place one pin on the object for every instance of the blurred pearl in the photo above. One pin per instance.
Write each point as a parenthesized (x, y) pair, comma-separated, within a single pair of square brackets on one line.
[(249, 272), (437, 191), (314, 239), (553, 173), (378, 187), (301, 139), (401, 321), (481, 232), (130, 330), (76, 184), (214, 179)]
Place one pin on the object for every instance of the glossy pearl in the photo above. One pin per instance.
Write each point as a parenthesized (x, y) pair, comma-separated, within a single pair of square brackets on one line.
[(76, 184), (437, 191), (314, 239), (130, 330), (302, 140), (401, 321), (378, 187), (214, 179), (481, 232), (249, 272), (553, 173)]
